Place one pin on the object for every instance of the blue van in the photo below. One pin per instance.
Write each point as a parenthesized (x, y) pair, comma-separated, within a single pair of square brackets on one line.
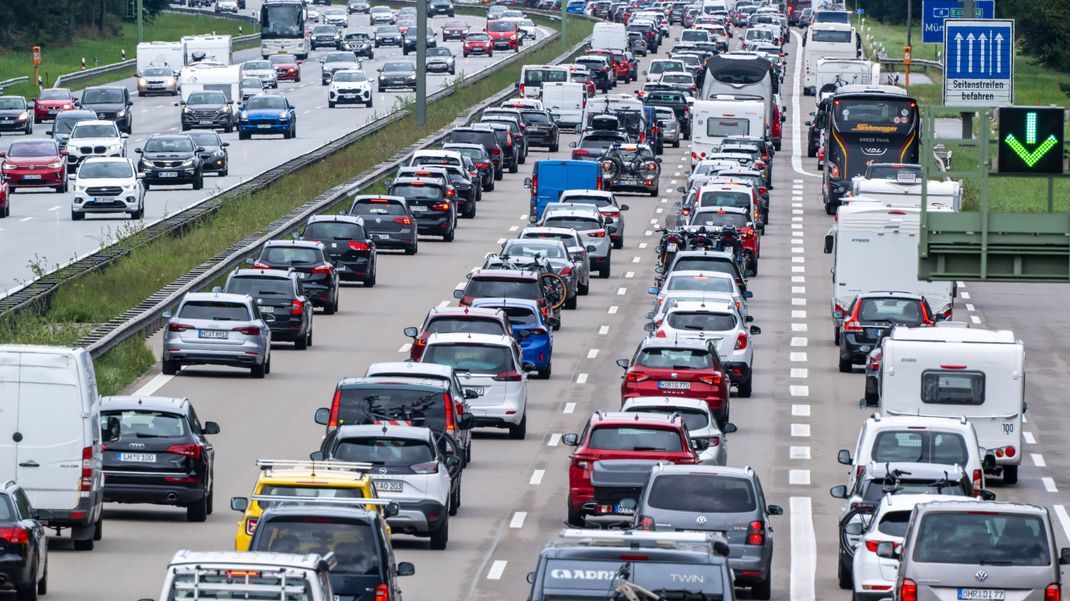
[(550, 178)]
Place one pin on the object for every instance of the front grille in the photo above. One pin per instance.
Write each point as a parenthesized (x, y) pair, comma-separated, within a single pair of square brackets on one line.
[(104, 191), (205, 114), (166, 163), (92, 149)]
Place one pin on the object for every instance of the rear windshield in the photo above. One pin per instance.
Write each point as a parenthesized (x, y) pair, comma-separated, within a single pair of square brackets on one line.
[(598, 201), (387, 452), (894, 523), (694, 419), (219, 311), (416, 192), (520, 249), (725, 199), (135, 423), (719, 127), (628, 438), (702, 494), (702, 264), (836, 37), (701, 321), (333, 230), (353, 541), (982, 538), (579, 224), (920, 446), (669, 358), (952, 387), (700, 283), (890, 310), (259, 287), (453, 325), (483, 288), (422, 407), (291, 255), (308, 492), (521, 316), (475, 358), (484, 139), (536, 77), (737, 220), (368, 207)]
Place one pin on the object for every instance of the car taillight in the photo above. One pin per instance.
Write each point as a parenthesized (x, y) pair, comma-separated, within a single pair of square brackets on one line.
[(250, 525), (495, 151), (646, 523), (451, 192), (448, 404), (713, 380), (521, 89), (260, 265), (382, 593), (566, 271), (741, 341), (908, 590), (483, 165), (297, 306), (834, 171), (333, 421), (756, 533), (178, 327), (15, 536), (508, 376), (358, 246), (535, 184), (634, 376), (440, 206), (579, 152), (977, 475), (1054, 592), (403, 220), (192, 451), (247, 330), (323, 269), (597, 234), (762, 191), (89, 467), (660, 334), (852, 326), (431, 467)]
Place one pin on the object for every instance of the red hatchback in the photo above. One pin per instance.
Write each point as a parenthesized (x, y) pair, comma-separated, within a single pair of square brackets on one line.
[(504, 34), (649, 436), (287, 67), (457, 320), (52, 102), (35, 164), (618, 62), (478, 43), (687, 368)]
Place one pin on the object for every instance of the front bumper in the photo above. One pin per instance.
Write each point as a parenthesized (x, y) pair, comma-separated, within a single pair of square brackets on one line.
[(263, 127), (156, 175), (83, 204), (13, 125), (478, 50), (386, 84), (439, 67), (35, 178), (350, 96), (216, 122)]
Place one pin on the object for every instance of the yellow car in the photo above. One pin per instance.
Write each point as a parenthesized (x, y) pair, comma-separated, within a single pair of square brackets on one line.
[(331, 479)]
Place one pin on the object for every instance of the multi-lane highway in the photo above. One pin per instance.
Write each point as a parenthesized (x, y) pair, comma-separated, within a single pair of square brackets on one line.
[(40, 229), (802, 411)]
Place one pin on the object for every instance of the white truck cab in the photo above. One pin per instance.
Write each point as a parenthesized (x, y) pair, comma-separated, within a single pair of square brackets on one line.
[(247, 575)]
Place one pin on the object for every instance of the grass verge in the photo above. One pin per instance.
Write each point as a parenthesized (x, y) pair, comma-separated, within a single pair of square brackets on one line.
[(98, 297), (60, 60)]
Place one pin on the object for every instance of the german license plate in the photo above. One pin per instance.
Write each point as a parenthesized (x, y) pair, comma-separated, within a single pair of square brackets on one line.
[(671, 247), (987, 594), (138, 457), (214, 334), (418, 208), (388, 485), (31, 176), (267, 309), (348, 96), (382, 236), (624, 510), (168, 174), (264, 126), (673, 385), (206, 121), (103, 199)]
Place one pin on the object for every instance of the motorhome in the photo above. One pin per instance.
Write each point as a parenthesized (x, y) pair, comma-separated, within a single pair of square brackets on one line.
[(207, 48), (725, 115), (201, 77), (906, 193), (161, 54), (825, 41), (834, 73)]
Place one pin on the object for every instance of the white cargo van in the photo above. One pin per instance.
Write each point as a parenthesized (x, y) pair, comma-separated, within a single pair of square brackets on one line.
[(954, 371), (215, 48), (534, 77), (565, 101), (50, 435), (161, 54), (609, 36), (725, 115), (875, 247), (825, 41)]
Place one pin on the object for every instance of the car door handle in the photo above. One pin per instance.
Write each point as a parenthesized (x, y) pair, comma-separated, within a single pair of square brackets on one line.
[(30, 463)]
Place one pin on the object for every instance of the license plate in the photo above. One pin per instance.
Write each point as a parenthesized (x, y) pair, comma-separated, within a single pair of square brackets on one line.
[(671, 247), (340, 267), (388, 485), (348, 96), (382, 236), (673, 385), (874, 332), (264, 126), (214, 334), (623, 511), (168, 174), (31, 177), (102, 199), (418, 209), (206, 122), (988, 594), (138, 457), (267, 309), (479, 389)]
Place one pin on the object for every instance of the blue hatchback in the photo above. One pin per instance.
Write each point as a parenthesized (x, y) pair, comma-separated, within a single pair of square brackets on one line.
[(267, 114), (529, 327)]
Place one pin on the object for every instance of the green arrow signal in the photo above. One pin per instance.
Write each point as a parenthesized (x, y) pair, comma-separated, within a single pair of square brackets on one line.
[(1031, 158)]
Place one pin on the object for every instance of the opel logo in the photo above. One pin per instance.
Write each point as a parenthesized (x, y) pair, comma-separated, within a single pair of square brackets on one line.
[(700, 520), (981, 575), (382, 470)]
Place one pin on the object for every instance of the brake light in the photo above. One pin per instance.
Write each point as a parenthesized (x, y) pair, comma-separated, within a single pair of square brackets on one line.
[(440, 206), (89, 467), (496, 151), (508, 376), (834, 171), (178, 327), (193, 451), (451, 192), (566, 271), (247, 330), (741, 341), (534, 184), (358, 246), (483, 165), (297, 306), (431, 467), (714, 380), (448, 403), (15, 536), (521, 89), (908, 590), (612, 214), (646, 523), (579, 152), (756, 533), (332, 422), (977, 483), (1054, 592), (261, 265), (660, 334), (634, 376), (597, 234), (403, 220)]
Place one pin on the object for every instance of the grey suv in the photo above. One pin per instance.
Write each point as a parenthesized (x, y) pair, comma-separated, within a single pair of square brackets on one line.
[(975, 550), (728, 500)]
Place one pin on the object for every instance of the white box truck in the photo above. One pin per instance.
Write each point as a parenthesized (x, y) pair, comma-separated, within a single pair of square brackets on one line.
[(825, 41), (609, 36), (50, 441), (161, 54), (207, 48), (955, 371), (725, 115), (201, 77)]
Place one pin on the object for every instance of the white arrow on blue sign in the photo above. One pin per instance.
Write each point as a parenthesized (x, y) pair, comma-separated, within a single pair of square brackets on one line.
[(978, 62)]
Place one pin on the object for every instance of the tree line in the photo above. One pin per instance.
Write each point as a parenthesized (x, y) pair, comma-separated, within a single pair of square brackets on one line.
[(24, 23)]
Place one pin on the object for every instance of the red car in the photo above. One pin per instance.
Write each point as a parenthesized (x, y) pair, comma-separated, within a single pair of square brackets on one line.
[(454, 320), (619, 63), (580, 74), (5, 206), (405, 24), (51, 102), (687, 368), (35, 164), (622, 436), (504, 34), (287, 67), (477, 43)]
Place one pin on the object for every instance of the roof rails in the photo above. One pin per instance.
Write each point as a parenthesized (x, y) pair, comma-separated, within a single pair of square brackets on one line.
[(309, 464), (354, 501), (647, 539)]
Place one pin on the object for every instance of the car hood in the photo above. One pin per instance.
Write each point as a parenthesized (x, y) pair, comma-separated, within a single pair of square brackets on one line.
[(439, 59), (350, 85), (55, 102), (174, 156), (105, 106), (206, 107), (265, 112), (260, 72), (340, 66), (397, 74), (94, 141), (11, 112), (41, 160), (123, 182), (501, 34)]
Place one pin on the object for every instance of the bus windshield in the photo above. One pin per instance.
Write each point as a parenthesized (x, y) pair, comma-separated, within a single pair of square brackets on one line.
[(282, 20), (874, 115)]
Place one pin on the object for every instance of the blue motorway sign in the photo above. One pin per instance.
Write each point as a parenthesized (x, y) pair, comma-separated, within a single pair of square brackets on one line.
[(978, 62), (934, 12)]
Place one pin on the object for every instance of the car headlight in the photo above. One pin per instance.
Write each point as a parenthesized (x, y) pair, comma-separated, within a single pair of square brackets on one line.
[(187, 163), (142, 82), (115, 147), (222, 109), (187, 111), (413, 77), (79, 188), (284, 116), (8, 166), (55, 165), (22, 117), (120, 114), (243, 115)]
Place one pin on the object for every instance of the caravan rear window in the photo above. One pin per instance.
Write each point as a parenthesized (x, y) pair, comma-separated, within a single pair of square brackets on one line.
[(723, 126), (942, 387)]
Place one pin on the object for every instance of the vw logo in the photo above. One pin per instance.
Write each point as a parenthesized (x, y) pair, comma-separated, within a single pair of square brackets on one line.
[(700, 520), (981, 575), (100, 115), (137, 445), (382, 470)]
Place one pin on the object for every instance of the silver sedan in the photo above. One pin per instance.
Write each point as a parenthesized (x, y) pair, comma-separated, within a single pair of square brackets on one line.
[(670, 127), (214, 328)]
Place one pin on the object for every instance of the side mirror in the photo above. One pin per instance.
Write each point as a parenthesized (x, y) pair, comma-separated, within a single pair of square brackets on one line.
[(830, 241), (470, 394), (987, 495), (653, 290), (591, 248), (241, 107), (391, 509), (624, 207), (837, 314), (452, 462), (210, 428), (405, 568), (611, 229), (137, 150), (530, 578), (572, 145), (774, 510), (458, 293), (168, 314), (528, 366), (554, 322), (217, 289), (844, 457), (322, 416), (755, 330), (658, 160), (886, 550), (729, 428), (527, 182), (249, 261), (783, 118), (290, 106), (699, 444), (747, 294), (649, 326), (622, 363), (660, 270), (808, 123), (748, 318), (466, 421), (224, 144), (411, 332), (200, 149), (838, 492), (317, 456), (50, 132), (239, 503), (571, 439)]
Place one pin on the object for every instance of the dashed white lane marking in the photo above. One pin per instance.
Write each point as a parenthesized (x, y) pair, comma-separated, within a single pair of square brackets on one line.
[(25, 219), (536, 477), (613, 310), (55, 208), (798, 302), (1038, 460), (496, 569), (518, 519), (653, 221), (513, 228), (602, 331), (800, 410), (1049, 484), (629, 275), (965, 295), (555, 439), (642, 245), (975, 319), (460, 285), (798, 269), (797, 211), (592, 354), (798, 289), (799, 477), (621, 291), (659, 211), (803, 549), (798, 327), (569, 407), (797, 226), (524, 216), (799, 453), (635, 259), (157, 382), (969, 307), (405, 347), (648, 233), (797, 250), (798, 390), (799, 341), (797, 181), (443, 304), (798, 314), (800, 372), (581, 378), (800, 430), (501, 240), (798, 357), (1029, 438), (795, 236), (798, 259)]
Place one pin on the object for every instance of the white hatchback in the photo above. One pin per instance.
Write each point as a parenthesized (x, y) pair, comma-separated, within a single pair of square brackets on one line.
[(874, 577), (721, 322)]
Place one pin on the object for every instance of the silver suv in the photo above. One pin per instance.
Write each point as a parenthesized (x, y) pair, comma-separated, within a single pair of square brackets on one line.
[(214, 328), (974, 550), (727, 500)]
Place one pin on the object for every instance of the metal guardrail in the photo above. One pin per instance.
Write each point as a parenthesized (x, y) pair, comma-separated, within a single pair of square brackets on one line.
[(147, 316), (208, 13), (13, 81), (917, 62)]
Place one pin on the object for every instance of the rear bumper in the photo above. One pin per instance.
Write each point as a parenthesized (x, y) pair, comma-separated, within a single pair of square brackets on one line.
[(436, 226), (158, 494), (420, 518), (16, 571), (854, 349), (737, 371)]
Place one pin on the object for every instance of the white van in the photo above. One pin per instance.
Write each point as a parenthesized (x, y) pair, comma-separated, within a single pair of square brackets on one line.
[(161, 54), (874, 233), (906, 193), (534, 77), (216, 48), (50, 435), (724, 115), (824, 41), (565, 101), (950, 371), (711, 7), (609, 36)]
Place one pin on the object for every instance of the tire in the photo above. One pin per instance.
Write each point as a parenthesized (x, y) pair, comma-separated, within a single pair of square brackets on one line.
[(267, 366), (242, 135), (605, 270), (1010, 474), (554, 147), (84, 544), (332, 307), (455, 500), (762, 590), (76, 216), (570, 302), (199, 184), (302, 343), (258, 372), (544, 373), (440, 538), (413, 249), (449, 236), (618, 243), (170, 368), (286, 135), (845, 366), (42, 584), (574, 518), (655, 192), (368, 104), (229, 129), (514, 167), (226, 170), (198, 511), (676, 144), (490, 187), (27, 594), (744, 388), (370, 282), (836, 336), (583, 289), (211, 499), (843, 574), (810, 151), (519, 431)]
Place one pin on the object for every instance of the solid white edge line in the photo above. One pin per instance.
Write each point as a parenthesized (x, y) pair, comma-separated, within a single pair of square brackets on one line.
[(1064, 519), (796, 141), (157, 382), (803, 549)]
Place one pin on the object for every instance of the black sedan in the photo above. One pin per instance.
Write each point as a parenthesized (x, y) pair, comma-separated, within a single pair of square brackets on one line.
[(157, 451), (397, 75), (319, 278), (23, 545), (171, 159), (348, 246), (278, 296), (214, 157)]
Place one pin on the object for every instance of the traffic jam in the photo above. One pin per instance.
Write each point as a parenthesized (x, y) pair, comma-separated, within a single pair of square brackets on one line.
[(642, 170)]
